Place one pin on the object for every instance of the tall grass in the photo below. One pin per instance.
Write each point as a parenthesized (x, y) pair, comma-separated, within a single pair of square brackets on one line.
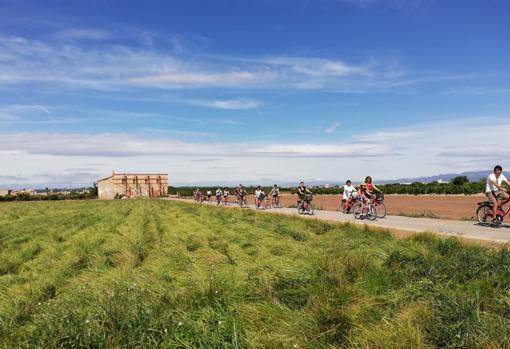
[(144, 273)]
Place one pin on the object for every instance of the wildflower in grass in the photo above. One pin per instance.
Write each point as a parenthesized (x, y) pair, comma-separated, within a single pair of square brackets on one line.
[(179, 324), (166, 331)]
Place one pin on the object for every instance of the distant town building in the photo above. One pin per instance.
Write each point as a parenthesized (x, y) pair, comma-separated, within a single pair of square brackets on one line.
[(4, 192), (132, 185), (22, 192)]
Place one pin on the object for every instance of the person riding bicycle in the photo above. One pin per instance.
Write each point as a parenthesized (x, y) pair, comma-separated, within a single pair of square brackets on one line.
[(259, 196), (275, 193), (496, 194), (219, 194), (361, 193), (197, 194), (302, 192), (226, 194), (209, 194), (349, 189), (371, 189), (241, 192)]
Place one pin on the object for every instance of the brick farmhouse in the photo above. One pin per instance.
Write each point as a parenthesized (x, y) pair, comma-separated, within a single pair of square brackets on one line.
[(132, 185)]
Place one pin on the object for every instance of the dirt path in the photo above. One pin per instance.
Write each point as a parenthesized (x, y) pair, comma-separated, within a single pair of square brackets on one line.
[(458, 207), (407, 225)]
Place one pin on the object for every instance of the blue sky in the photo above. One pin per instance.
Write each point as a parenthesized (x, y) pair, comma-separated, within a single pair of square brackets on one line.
[(252, 91)]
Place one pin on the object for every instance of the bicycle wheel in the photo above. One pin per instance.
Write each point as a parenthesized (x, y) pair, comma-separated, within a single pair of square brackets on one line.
[(484, 214), (311, 210), (380, 208), (357, 210), (371, 213), (300, 209)]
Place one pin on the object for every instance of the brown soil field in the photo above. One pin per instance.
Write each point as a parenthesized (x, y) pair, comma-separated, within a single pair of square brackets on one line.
[(460, 207)]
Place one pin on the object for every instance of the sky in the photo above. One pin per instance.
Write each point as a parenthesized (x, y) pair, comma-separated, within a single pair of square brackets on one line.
[(252, 91)]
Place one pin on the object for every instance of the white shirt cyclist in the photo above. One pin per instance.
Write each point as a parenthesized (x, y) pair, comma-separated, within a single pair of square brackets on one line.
[(491, 179), (348, 190)]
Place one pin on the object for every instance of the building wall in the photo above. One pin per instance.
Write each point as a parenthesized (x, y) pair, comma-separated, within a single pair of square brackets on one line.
[(4, 192), (133, 185)]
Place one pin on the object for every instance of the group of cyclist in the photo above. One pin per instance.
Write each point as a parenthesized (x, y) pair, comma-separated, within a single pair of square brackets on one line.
[(365, 192)]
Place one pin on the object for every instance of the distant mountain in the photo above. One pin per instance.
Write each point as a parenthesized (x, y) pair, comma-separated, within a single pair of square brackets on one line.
[(473, 176)]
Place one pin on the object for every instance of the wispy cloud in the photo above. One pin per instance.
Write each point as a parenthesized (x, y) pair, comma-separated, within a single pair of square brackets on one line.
[(30, 114), (332, 128), (83, 34), (478, 91), (119, 67), (124, 145), (183, 43), (230, 122), (393, 153), (229, 104)]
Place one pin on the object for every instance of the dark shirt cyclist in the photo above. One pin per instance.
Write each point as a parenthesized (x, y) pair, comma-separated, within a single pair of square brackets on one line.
[(302, 191)]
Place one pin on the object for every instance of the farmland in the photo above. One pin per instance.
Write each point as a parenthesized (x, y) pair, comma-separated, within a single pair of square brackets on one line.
[(146, 273)]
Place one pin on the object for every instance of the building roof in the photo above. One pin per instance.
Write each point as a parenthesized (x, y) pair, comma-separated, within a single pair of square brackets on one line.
[(132, 174)]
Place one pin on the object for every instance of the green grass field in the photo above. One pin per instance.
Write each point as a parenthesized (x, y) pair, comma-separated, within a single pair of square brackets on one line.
[(145, 273)]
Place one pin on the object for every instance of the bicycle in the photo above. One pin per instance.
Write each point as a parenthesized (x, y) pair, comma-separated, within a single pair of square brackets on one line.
[(485, 210), (242, 201), (347, 205), (363, 210), (380, 207), (198, 197), (259, 201), (267, 202), (305, 206), (276, 201), (225, 200)]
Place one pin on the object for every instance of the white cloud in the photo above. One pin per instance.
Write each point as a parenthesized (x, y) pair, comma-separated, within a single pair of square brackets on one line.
[(431, 148), (118, 67), (477, 91), (125, 145), (229, 104), (83, 34), (332, 128)]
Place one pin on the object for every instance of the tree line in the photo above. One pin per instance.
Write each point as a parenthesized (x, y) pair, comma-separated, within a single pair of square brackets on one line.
[(458, 185)]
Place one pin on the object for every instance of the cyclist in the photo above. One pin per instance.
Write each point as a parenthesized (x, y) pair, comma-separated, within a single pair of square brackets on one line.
[(198, 195), (209, 194), (242, 194), (371, 188), (347, 198), (302, 191), (259, 196), (219, 194), (275, 193), (362, 192), (226, 194), (496, 194)]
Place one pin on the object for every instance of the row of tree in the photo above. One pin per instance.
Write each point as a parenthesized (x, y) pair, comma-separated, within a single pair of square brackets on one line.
[(459, 185)]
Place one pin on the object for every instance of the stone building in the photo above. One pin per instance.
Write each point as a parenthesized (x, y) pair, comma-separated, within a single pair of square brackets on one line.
[(133, 185), (4, 192)]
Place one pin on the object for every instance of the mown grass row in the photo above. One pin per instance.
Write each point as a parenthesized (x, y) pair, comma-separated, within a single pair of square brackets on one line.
[(146, 273)]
